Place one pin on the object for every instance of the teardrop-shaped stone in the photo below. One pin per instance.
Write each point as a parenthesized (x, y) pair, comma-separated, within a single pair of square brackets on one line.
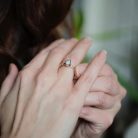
[(67, 63)]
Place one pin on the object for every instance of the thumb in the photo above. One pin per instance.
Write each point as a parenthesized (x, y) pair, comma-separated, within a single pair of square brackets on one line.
[(8, 82)]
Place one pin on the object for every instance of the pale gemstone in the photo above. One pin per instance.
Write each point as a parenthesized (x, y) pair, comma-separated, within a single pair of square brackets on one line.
[(67, 62)]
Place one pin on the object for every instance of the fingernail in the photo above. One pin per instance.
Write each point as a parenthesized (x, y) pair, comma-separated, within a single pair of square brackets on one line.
[(102, 53)]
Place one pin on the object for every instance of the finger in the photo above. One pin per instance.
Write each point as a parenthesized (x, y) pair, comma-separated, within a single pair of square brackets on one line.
[(89, 76), (75, 102), (76, 55), (82, 86), (79, 51), (92, 114), (48, 75), (100, 100), (15, 99), (8, 82), (106, 70), (57, 54), (106, 82), (40, 58), (66, 74), (107, 85)]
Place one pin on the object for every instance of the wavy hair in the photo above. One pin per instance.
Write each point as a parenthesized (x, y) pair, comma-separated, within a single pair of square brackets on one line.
[(27, 26)]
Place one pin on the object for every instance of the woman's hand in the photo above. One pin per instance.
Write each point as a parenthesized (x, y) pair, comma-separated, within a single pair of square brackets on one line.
[(42, 100), (101, 104)]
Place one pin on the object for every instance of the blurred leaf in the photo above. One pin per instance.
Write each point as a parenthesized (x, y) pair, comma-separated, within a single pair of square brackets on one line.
[(78, 20)]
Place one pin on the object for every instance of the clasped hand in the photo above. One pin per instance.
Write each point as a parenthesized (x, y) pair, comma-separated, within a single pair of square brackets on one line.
[(42, 100)]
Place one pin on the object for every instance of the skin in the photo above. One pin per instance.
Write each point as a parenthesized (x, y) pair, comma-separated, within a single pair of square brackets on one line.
[(102, 103), (28, 97)]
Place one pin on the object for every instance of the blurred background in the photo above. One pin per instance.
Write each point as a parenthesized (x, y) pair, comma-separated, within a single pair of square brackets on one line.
[(113, 25)]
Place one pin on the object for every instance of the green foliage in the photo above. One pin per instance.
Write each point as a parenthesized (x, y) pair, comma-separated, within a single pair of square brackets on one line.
[(78, 20)]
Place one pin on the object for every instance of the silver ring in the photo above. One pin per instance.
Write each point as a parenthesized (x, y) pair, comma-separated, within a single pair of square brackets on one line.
[(67, 63)]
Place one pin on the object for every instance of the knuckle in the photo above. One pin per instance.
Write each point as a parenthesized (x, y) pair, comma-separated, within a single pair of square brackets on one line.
[(102, 99), (57, 50)]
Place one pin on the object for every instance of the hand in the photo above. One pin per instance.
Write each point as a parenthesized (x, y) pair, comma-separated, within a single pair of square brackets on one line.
[(35, 102), (101, 104)]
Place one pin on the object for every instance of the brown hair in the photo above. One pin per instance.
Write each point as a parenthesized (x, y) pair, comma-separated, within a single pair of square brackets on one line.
[(27, 26)]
